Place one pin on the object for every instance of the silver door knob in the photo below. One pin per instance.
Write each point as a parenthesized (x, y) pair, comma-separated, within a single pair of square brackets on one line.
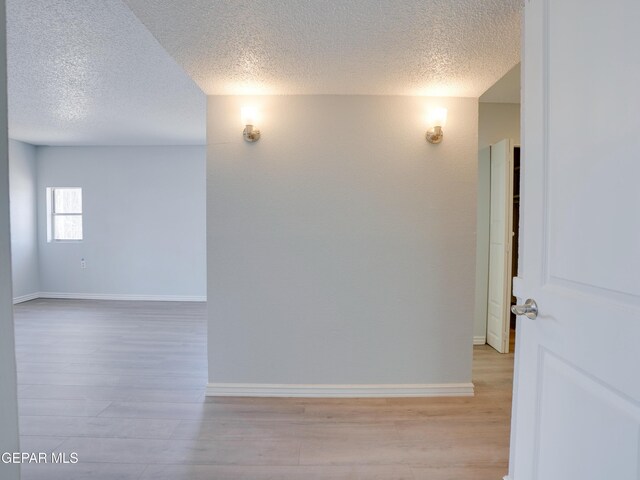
[(529, 309)]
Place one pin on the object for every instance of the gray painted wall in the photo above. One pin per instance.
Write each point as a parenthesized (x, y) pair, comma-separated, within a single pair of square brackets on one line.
[(496, 121), (144, 221), (24, 224), (341, 246), (8, 397)]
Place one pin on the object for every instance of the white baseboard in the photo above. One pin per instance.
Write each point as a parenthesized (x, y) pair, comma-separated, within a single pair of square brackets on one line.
[(26, 298), (338, 391), (123, 296), (479, 340)]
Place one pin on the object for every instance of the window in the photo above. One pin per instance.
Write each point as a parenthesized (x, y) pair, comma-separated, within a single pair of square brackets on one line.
[(64, 219)]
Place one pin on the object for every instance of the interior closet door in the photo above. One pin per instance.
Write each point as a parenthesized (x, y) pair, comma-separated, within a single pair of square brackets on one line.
[(500, 238)]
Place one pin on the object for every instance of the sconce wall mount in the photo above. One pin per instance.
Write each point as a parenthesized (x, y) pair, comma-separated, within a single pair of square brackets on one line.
[(434, 135), (251, 134)]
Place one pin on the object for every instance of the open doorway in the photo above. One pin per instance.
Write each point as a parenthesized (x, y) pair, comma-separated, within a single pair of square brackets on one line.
[(498, 165), (515, 247), (503, 252)]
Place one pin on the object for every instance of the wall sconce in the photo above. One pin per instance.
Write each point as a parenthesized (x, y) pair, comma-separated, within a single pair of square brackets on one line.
[(436, 119), (249, 116)]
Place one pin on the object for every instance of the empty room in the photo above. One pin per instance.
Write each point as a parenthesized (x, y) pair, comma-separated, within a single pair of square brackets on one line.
[(319, 239)]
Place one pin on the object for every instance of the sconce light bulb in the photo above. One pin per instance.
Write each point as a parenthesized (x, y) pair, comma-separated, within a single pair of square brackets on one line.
[(248, 115), (436, 119)]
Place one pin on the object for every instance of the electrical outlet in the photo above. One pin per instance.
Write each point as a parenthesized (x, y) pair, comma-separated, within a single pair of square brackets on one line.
[(83, 264)]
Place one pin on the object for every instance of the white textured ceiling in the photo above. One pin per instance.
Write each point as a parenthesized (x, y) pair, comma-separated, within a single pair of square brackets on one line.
[(505, 90), (400, 47), (88, 72)]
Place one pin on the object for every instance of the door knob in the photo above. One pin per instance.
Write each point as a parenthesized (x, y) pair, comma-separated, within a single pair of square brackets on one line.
[(529, 309)]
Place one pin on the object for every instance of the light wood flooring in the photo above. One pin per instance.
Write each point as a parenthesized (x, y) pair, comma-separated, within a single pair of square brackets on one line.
[(121, 384)]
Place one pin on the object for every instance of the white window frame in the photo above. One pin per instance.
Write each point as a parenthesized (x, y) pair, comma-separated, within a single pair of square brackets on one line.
[(51, 214)]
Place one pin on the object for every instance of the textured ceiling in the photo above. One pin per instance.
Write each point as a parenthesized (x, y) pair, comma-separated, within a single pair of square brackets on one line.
[(505, 90), (88, 72), (408, 47)]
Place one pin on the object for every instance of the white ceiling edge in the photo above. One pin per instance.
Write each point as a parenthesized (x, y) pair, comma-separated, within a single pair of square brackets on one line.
[(505, 90), (338, 47), (87, 72)]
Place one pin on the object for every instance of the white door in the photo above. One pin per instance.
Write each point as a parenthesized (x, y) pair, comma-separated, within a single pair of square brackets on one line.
[(500, 238), (576, 409)]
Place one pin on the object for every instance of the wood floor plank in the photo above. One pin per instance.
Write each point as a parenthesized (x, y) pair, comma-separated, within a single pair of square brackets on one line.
[(122, 384), (63, 408), (211, 472), (83, 471), (238, 427), (44, 443), (474, 472), (122, 394), (217, 451), (97, 427), (202, 411)]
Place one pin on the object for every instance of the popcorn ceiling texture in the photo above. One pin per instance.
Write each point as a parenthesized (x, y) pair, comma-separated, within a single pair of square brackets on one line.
[(391, 47), (88, 72)]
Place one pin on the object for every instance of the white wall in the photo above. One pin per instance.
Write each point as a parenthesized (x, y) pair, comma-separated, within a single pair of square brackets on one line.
[(341, 246), (8, 398), (144, 222), (496, 121), (24, 244)]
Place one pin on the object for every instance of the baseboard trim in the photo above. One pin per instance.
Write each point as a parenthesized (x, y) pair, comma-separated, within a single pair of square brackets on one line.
[(479, 340), (26, 298), (119, 296), (338, 391)]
